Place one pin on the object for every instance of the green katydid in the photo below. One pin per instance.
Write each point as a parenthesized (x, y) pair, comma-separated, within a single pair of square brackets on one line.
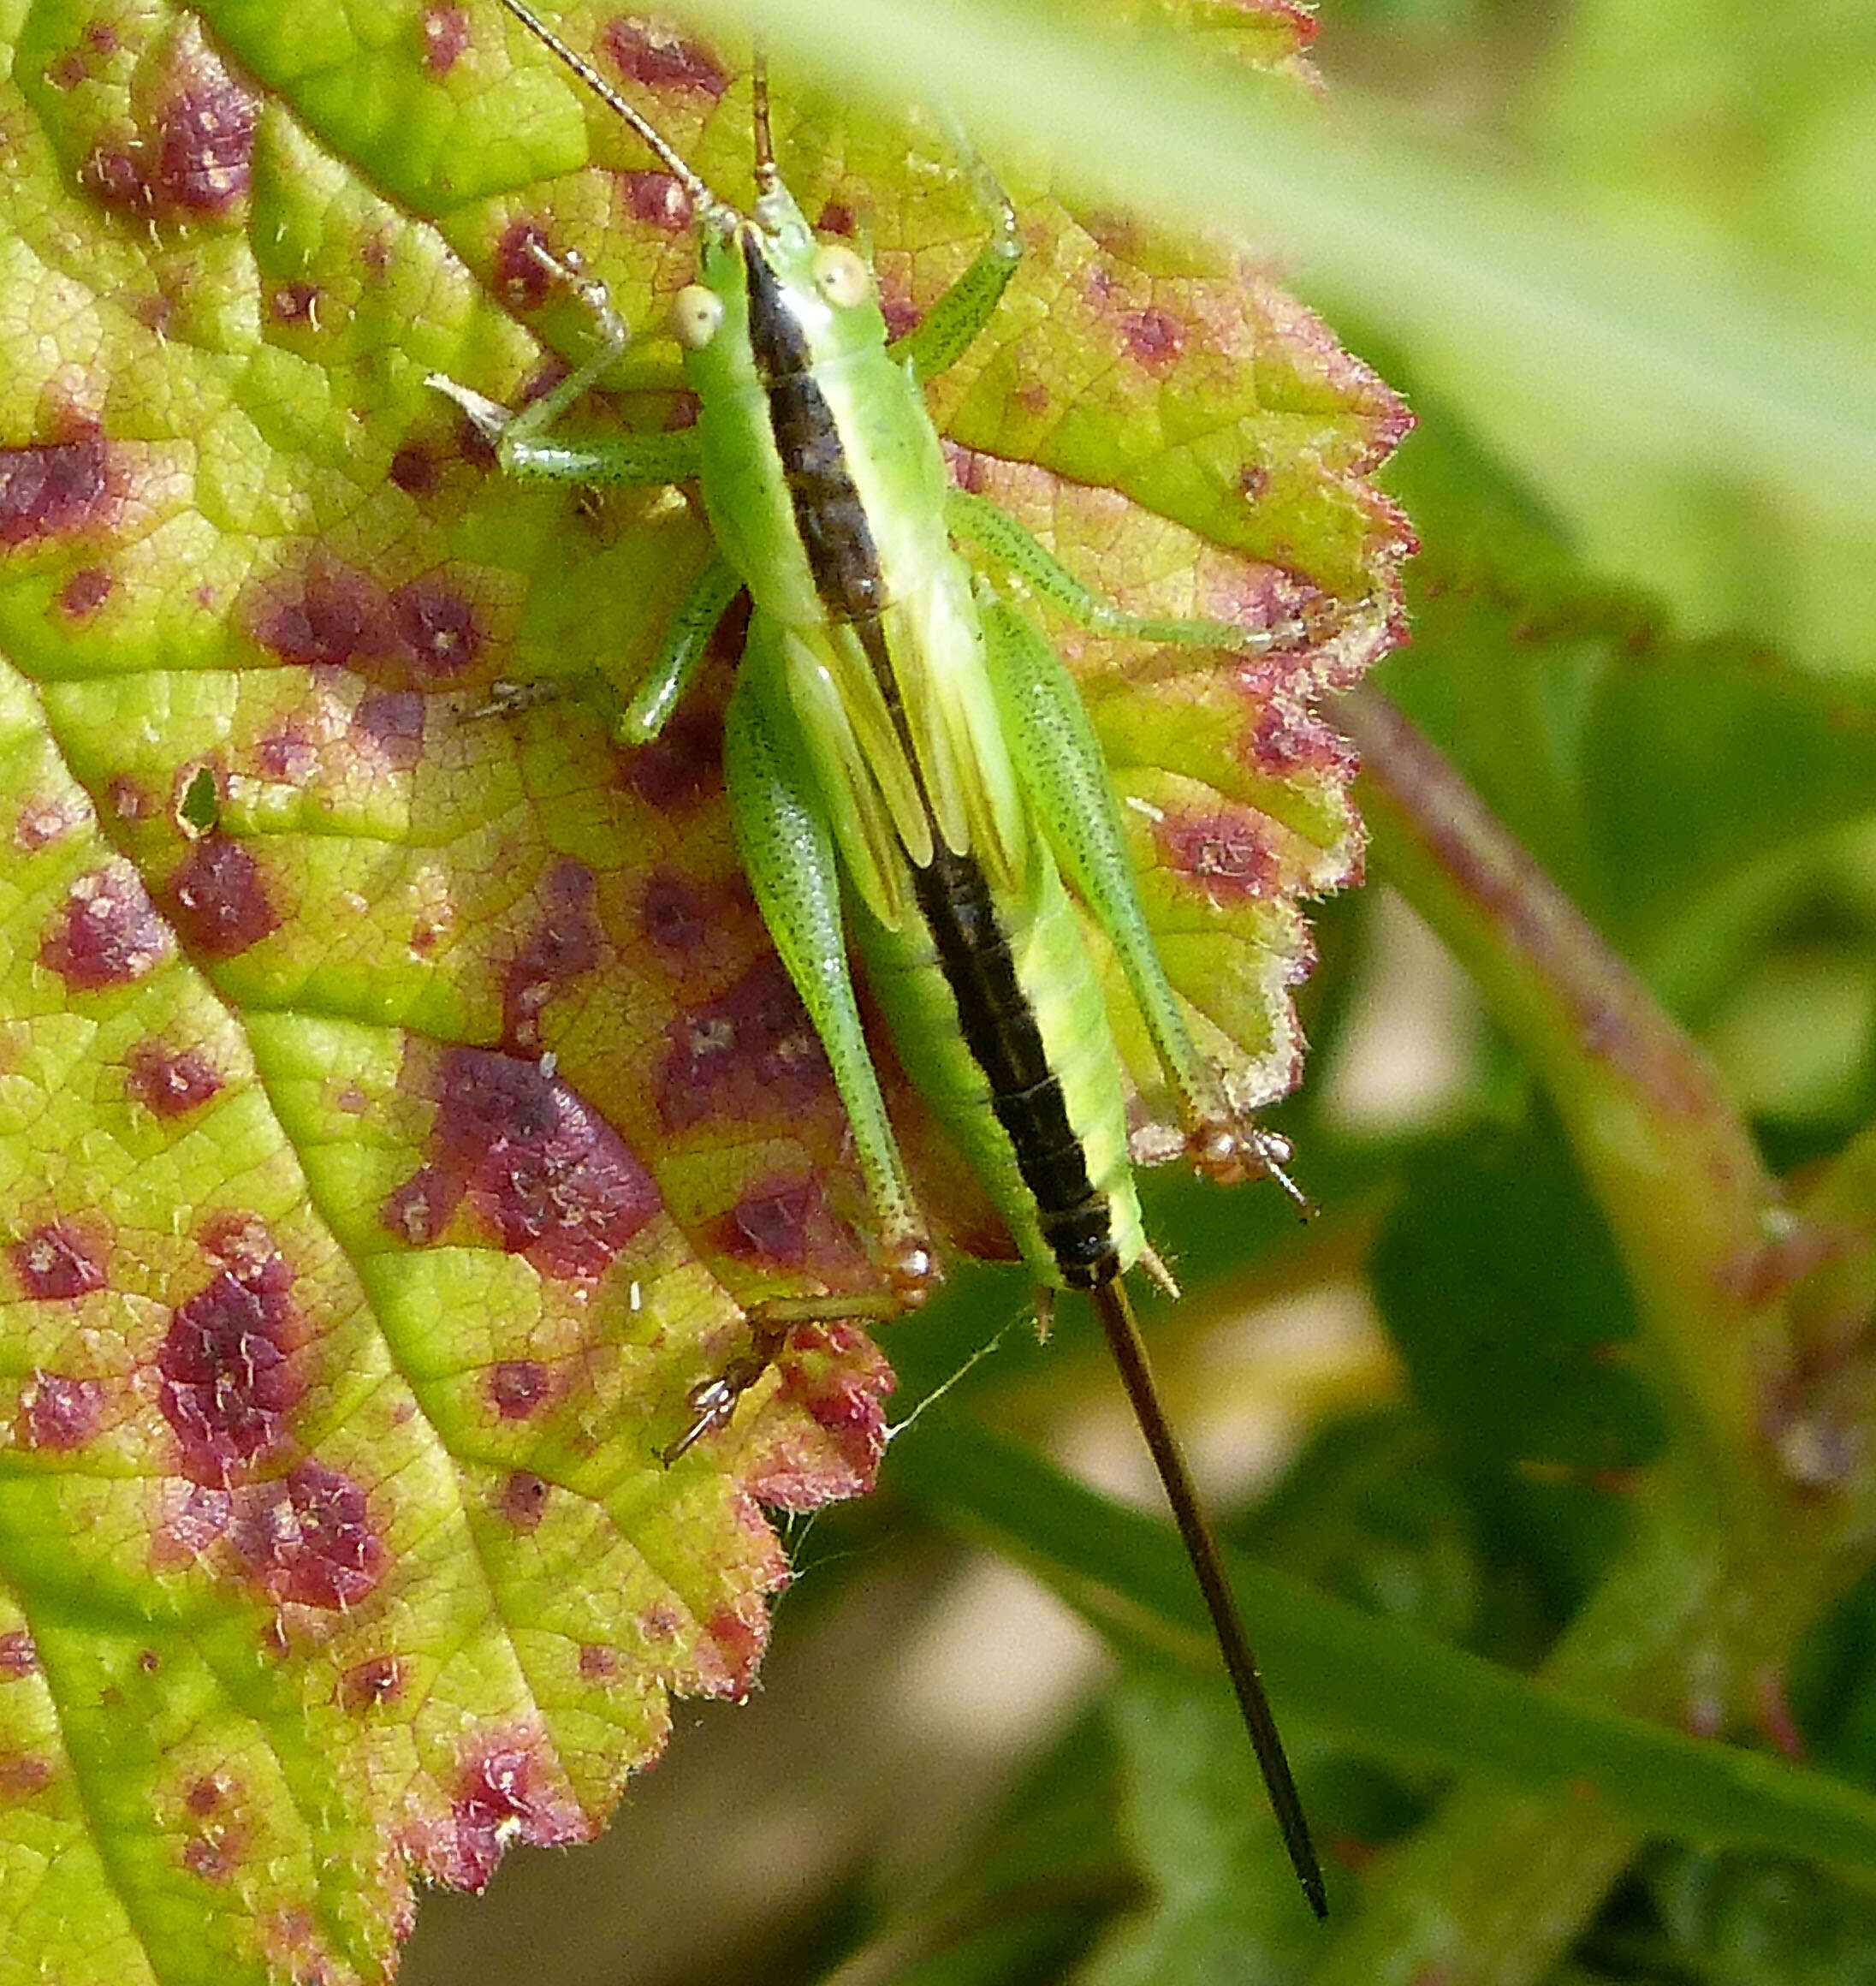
[(908, 763)]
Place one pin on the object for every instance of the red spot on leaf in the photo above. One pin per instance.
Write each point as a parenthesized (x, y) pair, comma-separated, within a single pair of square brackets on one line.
[(654, 199), (681, 765), (553, 1180), (517, 1386), (205, 153), (837, 218), (379, 1680), (437, 626), (287, 754), (84, 592), (23, 1775), (215, 1856), (1254, 482), (413, 469), (171, 1082), (204, 1795), (43, 822), (1290, 742), (835, 1374), (504, 1793), (598, 1662), (523, 1500), (19, 1658), (752, 1054), (108, 933), (1154, 337), (1230, 853), (227, 1382), (659, 58), (219, 899), (53, 489), (903, 317), (326, 615), (190, 1519), (737, 1643), (58, 1261), (445, 31), (294, 303), (674, 915), (519, 277), (58, 1413), (771, 1224), (393, 722), (309, 1541), (564, 945)]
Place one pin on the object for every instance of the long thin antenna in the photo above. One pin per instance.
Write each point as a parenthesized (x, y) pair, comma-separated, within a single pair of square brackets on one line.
[(1115, 1311), (701, 195), (767, 179)]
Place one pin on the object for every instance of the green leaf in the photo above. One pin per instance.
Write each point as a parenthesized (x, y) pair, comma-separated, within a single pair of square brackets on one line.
[(398, 1103)]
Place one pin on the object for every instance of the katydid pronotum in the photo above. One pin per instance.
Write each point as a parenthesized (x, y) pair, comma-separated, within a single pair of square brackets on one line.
[(908, 763)]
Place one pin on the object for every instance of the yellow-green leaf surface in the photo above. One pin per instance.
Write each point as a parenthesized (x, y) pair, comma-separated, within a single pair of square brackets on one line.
[(398, 1101)]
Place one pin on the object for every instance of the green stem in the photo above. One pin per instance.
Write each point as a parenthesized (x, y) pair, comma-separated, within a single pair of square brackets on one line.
[(1730, 1562), (1674, 1169)]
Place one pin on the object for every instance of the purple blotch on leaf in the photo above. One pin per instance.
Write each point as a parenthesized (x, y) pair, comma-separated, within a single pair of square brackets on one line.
[(58, 1412), (445, 31), (227, 1381), (57, 1261), (517, 1386), (654, 199), (1230, 853), (503, 1793), (771, 1224), (170, 1082), (52, 488), (1154, 337), (751, 1055), (564, 945), (438, 625), (84, 592), (392, 722), (309, 1541), (523, 1500), (108, 932), (219, 899), (681, 764), (378, 1680), (552, 1180), (659, 58)]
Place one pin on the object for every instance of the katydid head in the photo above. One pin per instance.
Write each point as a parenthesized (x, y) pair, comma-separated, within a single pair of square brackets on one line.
[(762, 268), (771, 297)]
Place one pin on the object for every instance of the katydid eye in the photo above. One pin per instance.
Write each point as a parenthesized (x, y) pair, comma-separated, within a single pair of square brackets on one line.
[(696, 313), (840, 275)]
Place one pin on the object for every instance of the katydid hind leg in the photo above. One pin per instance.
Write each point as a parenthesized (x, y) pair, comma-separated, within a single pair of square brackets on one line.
[(1059, 761), (1115, 1311), (788, 855)]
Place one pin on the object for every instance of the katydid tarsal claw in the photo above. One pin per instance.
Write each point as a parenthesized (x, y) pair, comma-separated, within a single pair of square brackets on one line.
[(909, 766)]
